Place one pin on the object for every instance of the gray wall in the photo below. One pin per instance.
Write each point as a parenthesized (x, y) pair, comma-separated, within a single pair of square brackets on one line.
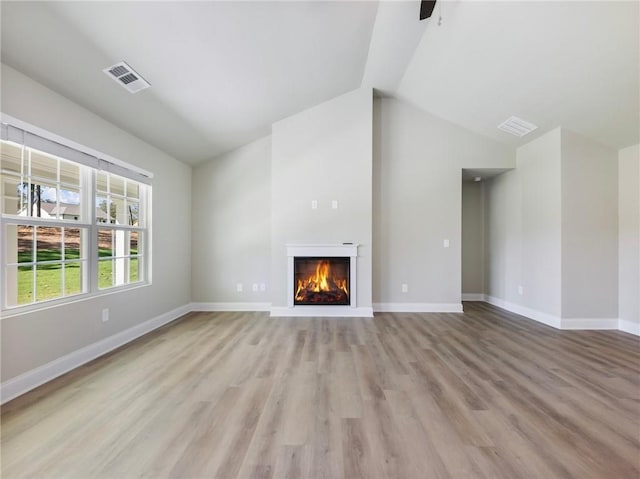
[(552, 229), (473, 236), (629, 238), (231, 217), (503, 230), (523, 211), (418, 201), (33, 339), (589, 228), (323, 154)]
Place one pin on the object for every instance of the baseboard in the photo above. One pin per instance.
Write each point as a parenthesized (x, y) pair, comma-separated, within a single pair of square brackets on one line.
[(629, 327), (230, 306), (589, 323), (539, 316), (473, 297), (25, 382), (417, 307), (321, 311)]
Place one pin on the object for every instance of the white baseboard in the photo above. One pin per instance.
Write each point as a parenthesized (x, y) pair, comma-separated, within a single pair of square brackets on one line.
[(589, 323), (629, 327), (321, 311), (19, 385), (545, 318), (556, 321), (473, 297), (230, 306), (417, 307)]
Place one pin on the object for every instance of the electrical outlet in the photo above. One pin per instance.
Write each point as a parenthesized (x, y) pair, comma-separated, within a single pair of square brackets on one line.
[(105, 315), (314, 204), (334, 204), (254, 287), (520, 290), (445, 243), (239, 287), (405, 288), (263, 287)]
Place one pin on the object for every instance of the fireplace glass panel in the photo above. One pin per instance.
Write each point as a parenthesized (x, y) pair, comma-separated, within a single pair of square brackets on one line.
[(321, 281)]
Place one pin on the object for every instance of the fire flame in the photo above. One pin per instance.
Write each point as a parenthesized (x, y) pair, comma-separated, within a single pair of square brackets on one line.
[(320, 281)]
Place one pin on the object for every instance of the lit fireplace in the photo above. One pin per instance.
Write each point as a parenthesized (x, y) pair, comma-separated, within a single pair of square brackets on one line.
[(321, 281)]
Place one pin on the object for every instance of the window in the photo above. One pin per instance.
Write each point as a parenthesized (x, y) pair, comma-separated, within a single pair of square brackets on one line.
[(68, 227), (119, 234)]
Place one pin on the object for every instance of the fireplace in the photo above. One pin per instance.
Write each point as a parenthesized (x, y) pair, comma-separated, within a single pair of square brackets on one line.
[(321, 281), (331, 269)]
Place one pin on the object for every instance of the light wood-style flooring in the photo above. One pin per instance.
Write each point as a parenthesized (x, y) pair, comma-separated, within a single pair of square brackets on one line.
[(484, 394)]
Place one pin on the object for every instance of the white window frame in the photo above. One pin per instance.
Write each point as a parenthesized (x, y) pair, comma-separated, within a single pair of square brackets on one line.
[(87, 220)]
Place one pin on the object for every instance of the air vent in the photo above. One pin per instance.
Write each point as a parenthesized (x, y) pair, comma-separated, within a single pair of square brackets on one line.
[(126, 77), (517, 126)]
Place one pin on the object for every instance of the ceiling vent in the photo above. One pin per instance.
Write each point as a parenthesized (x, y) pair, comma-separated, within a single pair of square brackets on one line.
[(517, 126), (126, 77)]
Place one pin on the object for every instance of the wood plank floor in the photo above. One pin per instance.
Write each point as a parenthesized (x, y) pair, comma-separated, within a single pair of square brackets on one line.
[(485, 394)]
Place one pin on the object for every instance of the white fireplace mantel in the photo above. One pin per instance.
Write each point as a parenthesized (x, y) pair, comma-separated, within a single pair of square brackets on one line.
[(322, 250)]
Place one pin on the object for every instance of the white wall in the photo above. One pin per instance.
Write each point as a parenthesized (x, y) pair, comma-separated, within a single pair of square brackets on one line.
[(629, 239), (231, 217), (589, 229), (34, 339), (323, 154), (473, 250), (418, 201)]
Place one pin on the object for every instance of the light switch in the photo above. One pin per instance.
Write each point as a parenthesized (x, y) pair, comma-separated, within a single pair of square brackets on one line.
[(334, 204), (446, 243), (405, 288), (314, 204), (239, 287)]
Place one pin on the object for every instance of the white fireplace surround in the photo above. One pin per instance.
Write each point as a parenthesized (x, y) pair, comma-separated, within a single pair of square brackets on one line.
[(328, 251)]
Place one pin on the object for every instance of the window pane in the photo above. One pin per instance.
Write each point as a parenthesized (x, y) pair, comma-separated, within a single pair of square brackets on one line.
[(70, 174), (44, 167), (69, 205), (25, 244), (48, 281), (10, 158), (101, 182), (43, 200), (117, 206), (133, 189), (133, 212), (49, 243), (134, 273), (19, 287), (103, 210), (73, 278), (116, 185), (133, 242), (105, 243), (105, 273), (72, 243), (14, 194)]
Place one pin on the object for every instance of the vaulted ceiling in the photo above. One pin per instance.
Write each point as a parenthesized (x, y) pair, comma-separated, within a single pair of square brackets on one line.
[(223, 72)]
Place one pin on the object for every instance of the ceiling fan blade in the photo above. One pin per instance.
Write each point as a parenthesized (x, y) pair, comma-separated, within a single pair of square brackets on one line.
[(426, 8)]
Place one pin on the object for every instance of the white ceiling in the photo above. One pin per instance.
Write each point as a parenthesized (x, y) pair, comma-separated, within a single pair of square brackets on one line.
[(564, 63), (223, 72)]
